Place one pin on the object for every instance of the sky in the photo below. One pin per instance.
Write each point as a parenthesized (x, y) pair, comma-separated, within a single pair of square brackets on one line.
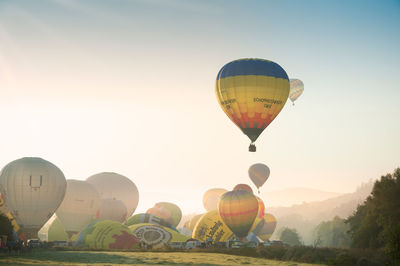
[(128, 86)]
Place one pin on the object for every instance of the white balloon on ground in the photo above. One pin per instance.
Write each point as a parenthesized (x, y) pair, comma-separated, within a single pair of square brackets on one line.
[(111, 209), (115, 186), (80, 204), (33, 189)]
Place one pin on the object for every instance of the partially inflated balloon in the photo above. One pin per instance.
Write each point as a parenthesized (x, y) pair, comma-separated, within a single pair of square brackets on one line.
[(33, 189), (4, 210), (259, 173), (116, 186), (168, 211), (243, 187), (53, 230), (193, 222), (107, 234), (252, 92), (210, 225), (147, 218), (238, 209), (80, 203), (296, 89), (111, 209), (260, 213), (211, 198), (156, 236), (266, 227)]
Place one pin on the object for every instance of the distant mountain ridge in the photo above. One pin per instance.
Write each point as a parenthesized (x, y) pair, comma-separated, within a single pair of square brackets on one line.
[(295, 195), (306, 216)]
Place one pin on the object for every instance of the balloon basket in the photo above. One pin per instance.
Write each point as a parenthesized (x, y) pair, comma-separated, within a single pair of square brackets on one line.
[(252, 148)]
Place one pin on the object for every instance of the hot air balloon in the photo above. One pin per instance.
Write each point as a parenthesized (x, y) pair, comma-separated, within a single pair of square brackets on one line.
[(53, 230), (252, 92), (238, 209), (211, 198), (296, 89), (259, 173), (4, 210), (211, 225), (193, 221), (156, 236), (266, 227), (116, 186), (107, 234), (243, 187), (168, 211), (111, 209), (147, 218), (33, 189), (80, 204), (260, 213)]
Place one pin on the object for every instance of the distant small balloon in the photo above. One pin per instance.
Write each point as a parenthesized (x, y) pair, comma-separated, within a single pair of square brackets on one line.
[(296, 89), (259, 173)]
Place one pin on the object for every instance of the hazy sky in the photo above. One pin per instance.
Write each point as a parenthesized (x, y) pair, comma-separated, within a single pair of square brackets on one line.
[(128, 86)]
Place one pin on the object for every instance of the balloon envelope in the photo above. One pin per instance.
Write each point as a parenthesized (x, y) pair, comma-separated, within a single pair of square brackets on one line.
[(296, 89), (259, 173), (266, 227), (260, 213), (238, 209), (252, 92), (211, 198), (211, 225), (155, 235), (193, 221), (170, 212), (111, 209), (107, 234), (116, 186), (147, 218), (53, 230), (80, 204), (33, 189), (243, 187)]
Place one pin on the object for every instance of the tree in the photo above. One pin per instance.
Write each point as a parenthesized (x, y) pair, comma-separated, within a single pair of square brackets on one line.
[(373, 222), (333, 233), (6, 227), (290, 236)]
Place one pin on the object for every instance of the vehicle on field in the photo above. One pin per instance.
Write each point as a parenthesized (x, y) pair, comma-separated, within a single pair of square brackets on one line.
[(177, 244), (190, 244)]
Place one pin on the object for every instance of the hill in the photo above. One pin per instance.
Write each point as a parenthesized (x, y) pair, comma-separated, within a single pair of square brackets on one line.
[(306, 216), (290, 196)]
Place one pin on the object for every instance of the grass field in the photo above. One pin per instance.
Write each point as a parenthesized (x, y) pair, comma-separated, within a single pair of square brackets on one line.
[(50, 257)]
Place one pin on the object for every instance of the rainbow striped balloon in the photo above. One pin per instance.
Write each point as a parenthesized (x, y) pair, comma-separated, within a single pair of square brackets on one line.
[(238, 209)]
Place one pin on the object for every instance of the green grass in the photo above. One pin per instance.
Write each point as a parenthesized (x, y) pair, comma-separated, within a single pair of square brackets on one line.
[(53, 257)]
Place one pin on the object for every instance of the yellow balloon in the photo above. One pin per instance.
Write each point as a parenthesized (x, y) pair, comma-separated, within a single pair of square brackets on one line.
[(252, 92), (107, 234), (210, 225)]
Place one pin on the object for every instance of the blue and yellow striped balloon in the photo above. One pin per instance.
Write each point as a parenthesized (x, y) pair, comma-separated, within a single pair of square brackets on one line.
[(252, 92)]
